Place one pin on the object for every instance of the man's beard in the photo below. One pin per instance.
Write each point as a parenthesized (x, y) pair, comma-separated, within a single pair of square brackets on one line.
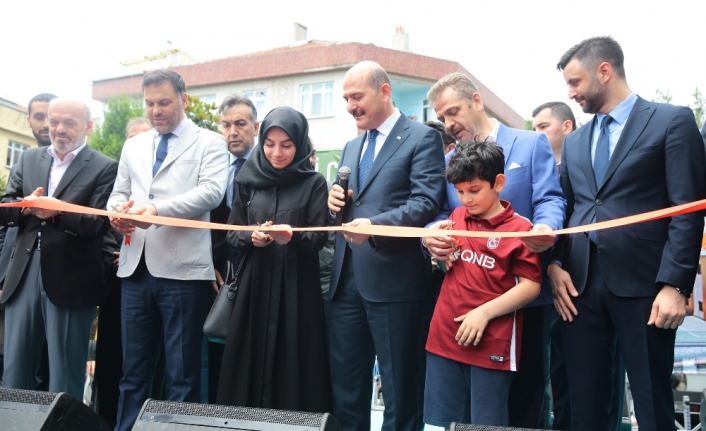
[(69, 147), (41, 141), (596, 97)]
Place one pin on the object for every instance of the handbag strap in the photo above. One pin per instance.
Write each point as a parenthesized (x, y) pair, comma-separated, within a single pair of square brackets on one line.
[(233, 287)]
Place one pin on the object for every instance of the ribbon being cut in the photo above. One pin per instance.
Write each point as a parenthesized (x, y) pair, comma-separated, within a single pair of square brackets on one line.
[(394, 231)]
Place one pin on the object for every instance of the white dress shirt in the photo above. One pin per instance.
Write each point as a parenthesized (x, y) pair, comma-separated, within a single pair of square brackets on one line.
[(172, 139), (58, 167), (383, 131)]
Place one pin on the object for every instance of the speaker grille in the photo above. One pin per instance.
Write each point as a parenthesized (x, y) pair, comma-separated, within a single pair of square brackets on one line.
[(27, 397), (468, 427), (238, 413)]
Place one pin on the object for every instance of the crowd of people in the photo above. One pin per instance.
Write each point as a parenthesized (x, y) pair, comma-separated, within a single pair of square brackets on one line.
[(461, 326)]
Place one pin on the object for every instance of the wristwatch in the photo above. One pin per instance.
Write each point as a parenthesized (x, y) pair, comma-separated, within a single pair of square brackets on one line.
[(683, 293)]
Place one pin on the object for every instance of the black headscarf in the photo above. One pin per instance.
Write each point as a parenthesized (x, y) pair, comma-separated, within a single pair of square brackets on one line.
[(258, 172)]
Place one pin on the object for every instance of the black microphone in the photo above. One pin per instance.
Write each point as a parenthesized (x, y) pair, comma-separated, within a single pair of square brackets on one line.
[(343, 174)]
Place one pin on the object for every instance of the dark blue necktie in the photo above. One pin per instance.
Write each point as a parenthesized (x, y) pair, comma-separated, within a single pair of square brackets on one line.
[(602, 155), (233, 185), (162, 149), (368, 158), (600, 162)]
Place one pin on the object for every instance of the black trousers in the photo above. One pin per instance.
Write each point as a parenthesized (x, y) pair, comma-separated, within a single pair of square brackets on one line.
[(526, 401), (648, 353)]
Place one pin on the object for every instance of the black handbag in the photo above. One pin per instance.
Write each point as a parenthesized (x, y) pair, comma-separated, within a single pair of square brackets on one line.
[(218, 319)]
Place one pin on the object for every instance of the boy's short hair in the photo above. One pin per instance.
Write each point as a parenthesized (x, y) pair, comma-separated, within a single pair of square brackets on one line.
[(475, 159)]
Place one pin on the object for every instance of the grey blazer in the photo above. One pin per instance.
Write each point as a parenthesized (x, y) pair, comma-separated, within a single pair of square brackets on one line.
[(189, 184)]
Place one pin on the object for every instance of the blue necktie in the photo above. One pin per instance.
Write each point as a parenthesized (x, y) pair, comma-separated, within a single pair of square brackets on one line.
[(602, 155), (162, 149), (600, 162), (368, 158), (233, 187)]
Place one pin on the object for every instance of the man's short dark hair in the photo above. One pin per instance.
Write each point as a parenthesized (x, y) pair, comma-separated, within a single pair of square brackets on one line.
[(160, 76), (559, 110), (594, 51), (445, 137), (475, 159), (41, 97), (238, 99)]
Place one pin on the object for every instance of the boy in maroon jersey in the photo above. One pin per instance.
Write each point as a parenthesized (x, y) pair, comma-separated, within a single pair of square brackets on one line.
[(474, 339)]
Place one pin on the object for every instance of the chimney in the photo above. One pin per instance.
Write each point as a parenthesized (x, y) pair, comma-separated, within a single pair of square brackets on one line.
[(299, 32), (400, 41)]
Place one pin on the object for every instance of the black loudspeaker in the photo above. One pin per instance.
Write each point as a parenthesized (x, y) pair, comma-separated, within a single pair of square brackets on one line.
[(468, 427), (172, 416), (46, 411)]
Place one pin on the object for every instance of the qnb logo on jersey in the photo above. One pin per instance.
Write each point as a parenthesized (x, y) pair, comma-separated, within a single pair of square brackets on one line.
[(479, 259)]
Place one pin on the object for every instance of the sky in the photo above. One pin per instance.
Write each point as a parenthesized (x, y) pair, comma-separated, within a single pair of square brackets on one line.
[(512, 46)]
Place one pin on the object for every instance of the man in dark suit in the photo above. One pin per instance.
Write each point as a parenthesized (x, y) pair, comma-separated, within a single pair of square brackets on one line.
[(379, 283), (239, 126), (38, 122), (55, 299), (631, 282)]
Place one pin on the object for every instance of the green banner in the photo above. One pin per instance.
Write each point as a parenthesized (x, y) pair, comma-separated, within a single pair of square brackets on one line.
[(327, 163)]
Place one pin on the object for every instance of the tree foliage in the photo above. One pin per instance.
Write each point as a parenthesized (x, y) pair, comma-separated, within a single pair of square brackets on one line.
[(698, 106), (110, 137), (662, 97), (202, 114)]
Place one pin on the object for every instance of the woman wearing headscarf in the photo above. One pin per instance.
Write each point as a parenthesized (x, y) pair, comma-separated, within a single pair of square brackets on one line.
[(275, 353)]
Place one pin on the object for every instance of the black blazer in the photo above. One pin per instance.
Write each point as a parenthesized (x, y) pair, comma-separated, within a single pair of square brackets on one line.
[(658, 162), (221, 250), (72, 258)]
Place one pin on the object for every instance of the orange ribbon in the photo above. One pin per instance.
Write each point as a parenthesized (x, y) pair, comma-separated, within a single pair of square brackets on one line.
[(379, 230)]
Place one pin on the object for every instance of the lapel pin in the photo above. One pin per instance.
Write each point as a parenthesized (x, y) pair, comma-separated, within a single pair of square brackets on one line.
[(399, 137)]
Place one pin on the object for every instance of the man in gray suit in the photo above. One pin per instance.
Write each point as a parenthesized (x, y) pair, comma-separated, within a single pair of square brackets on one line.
[(178, 170)]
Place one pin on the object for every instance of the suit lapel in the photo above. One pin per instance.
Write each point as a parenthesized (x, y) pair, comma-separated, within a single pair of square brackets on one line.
[(45, 161), (73, 169), (505, 140), (397, 136), (146, 152), (584, 143), (634, 125), (187, 138)]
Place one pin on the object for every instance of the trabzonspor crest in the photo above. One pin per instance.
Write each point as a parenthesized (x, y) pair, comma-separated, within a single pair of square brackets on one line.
[(493, 243)]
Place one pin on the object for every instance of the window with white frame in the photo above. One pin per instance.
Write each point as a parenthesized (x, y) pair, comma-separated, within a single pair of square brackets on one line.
[(427, 111), (317, 99), (14, 150), (207, 98), (259, 99)]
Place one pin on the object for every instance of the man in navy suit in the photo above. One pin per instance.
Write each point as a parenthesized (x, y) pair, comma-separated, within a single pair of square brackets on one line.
[(633, 281), (379, 283), (534, 192)]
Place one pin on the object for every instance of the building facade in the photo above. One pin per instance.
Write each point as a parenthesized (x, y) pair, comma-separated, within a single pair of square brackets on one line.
[(15, 136), (308, 76)]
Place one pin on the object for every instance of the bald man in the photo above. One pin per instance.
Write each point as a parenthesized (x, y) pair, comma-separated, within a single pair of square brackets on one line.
[(54, 297), (378, 284)]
